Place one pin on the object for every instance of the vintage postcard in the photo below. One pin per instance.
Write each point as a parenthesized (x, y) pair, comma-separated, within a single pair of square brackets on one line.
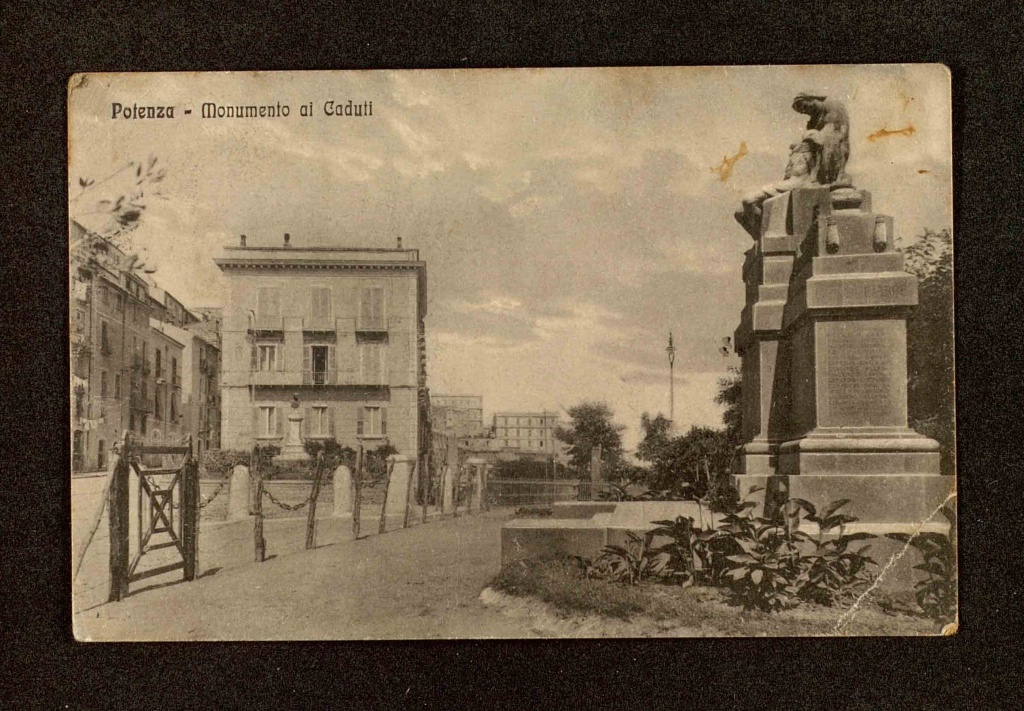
[(613, 352)]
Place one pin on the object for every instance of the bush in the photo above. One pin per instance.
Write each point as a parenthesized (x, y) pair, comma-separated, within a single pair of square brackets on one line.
[(760, 561), (218, 463), (937, 594)]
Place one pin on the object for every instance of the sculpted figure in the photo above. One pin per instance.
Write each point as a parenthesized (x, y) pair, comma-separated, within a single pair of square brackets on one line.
[(828, 129), (819, 159), (798, 172)]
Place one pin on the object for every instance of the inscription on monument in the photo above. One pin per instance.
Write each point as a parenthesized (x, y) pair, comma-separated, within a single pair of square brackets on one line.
[(862, 375)]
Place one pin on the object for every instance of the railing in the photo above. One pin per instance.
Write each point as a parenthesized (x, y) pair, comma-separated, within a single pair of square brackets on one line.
[(532, 492), (319, 377)]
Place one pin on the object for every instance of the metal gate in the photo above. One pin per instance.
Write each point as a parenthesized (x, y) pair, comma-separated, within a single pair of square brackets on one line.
[(160, 492)]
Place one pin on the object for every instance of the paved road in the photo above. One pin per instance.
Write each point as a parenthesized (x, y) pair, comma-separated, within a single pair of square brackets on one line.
[(422, 582)]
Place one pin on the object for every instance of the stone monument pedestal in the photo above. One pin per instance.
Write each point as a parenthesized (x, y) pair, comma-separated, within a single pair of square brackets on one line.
[(292, 449), (824, 348)]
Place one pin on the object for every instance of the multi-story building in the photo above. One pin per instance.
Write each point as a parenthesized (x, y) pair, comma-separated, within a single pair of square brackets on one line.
[(527, 432), (337, 330), (109, 323), (165, 402), (131, 357), (195, 376), (462, 415)]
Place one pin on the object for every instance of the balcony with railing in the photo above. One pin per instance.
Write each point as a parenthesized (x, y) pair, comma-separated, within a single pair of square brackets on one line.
[(328, 376)]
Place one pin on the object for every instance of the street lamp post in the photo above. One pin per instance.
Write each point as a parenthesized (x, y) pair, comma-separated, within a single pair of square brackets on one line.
[(671, 350)]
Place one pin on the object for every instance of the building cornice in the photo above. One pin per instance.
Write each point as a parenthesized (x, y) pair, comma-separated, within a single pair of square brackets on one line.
[(226, 263)]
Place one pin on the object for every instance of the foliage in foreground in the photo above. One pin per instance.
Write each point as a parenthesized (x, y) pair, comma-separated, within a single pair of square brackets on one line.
[(763, 563), (936, 594)]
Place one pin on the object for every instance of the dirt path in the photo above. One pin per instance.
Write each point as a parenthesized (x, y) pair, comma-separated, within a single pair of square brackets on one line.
[(420, 583)]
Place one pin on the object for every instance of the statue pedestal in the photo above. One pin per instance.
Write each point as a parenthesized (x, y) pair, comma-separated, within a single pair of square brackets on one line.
[(292, 448), (824, 348)]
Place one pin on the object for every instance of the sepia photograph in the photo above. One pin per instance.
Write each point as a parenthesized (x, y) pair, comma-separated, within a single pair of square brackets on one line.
[(613, 352)]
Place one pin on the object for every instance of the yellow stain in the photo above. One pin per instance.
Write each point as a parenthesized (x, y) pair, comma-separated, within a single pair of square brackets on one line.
[(886, 133), (725, 169)]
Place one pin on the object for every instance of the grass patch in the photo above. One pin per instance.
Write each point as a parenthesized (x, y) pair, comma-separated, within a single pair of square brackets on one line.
[(701, 611), (558, 583)]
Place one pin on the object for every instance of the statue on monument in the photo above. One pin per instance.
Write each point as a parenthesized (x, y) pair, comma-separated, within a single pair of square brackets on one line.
[(817, 160)]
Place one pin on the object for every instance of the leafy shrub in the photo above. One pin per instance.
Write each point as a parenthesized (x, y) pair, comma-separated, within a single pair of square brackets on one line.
[(218, 463), (762, 559), (758, 560), (335, 454), (633, 562), (375, 464), (832, 571), (937, 594)]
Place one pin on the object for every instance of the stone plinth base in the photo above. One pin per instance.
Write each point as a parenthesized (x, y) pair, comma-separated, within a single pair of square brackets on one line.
[(886, 451), (759, 458), (879, 498)]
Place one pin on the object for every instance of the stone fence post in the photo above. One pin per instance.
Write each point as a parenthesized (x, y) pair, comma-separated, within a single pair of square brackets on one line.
[(398, 490), (342, 491), (238, 494), (448, 490), (476, 473)]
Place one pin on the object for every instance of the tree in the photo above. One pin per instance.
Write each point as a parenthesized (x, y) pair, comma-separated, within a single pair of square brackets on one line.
[(931, 398), (698, 458), (730, 395), (592, 425), (116, 202)]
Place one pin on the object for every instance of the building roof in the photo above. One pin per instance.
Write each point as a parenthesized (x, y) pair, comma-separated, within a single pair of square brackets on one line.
[(342, 258), (169, 331)]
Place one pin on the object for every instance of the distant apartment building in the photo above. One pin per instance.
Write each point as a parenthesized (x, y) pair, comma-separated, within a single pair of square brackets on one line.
[(339, 330), (526, 432), (195, 375), (461, 415)]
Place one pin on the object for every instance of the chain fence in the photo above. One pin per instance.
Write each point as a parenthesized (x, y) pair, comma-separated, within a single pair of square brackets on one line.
[(284, 506), (226, 546)]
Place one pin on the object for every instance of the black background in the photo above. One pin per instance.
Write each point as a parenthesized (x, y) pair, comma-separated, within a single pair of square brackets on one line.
[(44, 43)]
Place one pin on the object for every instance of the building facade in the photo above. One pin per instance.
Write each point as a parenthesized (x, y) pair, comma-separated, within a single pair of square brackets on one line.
[(197, 379), (131, 357), (339, 331), (462, 415), (527, 432)]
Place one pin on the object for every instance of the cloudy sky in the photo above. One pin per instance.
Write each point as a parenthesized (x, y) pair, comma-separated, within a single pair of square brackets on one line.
[(569, 218)]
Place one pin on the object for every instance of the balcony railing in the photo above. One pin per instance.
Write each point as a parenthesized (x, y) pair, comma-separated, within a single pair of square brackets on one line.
[(319, 377)]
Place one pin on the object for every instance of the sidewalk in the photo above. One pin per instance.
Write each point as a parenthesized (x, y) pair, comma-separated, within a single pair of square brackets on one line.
[(422, 582)]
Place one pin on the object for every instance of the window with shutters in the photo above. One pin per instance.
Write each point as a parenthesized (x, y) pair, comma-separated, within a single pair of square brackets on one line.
[(321, 302), (372, 315), (320, 421), (372, 422), (266, 357), (267, 421)]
